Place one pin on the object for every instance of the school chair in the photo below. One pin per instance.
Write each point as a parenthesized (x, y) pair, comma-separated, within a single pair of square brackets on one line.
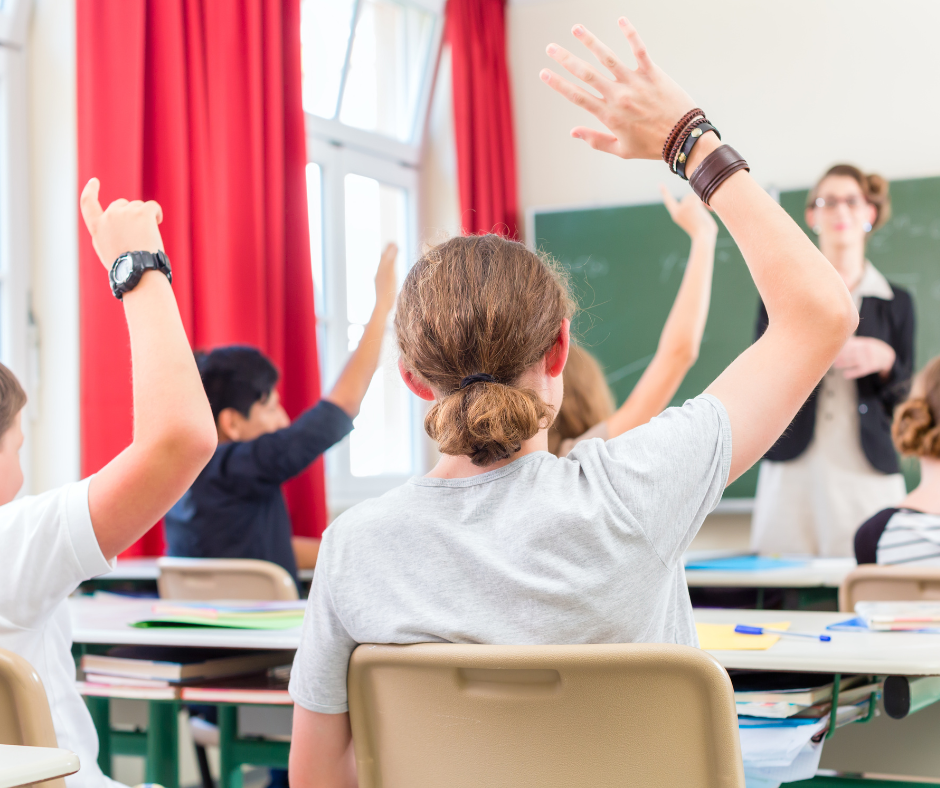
[(463, 716), (874, 583), (25, 718), (224, 578)]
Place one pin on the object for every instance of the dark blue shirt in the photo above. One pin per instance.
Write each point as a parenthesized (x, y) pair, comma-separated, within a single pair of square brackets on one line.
[(235, 508)]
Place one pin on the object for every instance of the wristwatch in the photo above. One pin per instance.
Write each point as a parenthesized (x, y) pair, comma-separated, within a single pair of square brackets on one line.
[(130, 267)]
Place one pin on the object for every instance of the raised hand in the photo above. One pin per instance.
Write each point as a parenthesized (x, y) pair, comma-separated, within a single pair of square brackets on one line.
[(386, 283), (123, 227), (639, 106), (690, 214)]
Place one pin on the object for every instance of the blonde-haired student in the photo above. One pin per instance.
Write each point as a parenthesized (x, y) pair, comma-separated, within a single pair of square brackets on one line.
[(587, 410), (52, 542), (910, 532), (503, 542)]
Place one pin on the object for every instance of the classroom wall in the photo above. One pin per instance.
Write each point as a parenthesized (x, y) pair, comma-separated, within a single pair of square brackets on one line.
[(794, 86), (53, 159)]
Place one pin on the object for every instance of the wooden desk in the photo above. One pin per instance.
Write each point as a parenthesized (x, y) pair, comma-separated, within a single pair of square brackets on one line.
[(105, 621), (25, 765), (878, 653)]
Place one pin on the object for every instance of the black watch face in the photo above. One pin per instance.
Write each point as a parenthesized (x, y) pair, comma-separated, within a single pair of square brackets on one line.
[(123, 269)]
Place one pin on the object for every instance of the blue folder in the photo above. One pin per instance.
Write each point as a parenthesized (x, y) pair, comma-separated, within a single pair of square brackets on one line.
[(745, 563)]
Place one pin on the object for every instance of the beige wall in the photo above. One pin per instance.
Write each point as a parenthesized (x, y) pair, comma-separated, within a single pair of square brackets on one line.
[(794, 86)]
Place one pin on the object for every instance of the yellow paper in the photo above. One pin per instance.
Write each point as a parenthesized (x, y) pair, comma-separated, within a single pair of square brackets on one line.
[(722, 637)]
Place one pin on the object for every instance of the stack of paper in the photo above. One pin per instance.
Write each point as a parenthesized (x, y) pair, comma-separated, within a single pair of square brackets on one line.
[(256, 615), (899, 616)]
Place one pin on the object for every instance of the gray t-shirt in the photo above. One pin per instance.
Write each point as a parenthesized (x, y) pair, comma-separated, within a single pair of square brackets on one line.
[(546, 550)]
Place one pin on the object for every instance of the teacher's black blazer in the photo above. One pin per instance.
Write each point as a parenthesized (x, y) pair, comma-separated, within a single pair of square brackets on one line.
[(893, 322)]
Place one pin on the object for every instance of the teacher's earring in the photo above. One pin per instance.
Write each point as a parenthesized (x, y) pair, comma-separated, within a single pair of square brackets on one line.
[(867, 227), (817, 229)]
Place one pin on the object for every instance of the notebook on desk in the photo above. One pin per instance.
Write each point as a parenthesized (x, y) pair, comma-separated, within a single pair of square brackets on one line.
[(743, 563)]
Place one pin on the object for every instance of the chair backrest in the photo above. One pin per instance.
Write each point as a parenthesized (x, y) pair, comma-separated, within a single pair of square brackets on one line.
[(873, 583), (25, 718), (205, 579), (463, 716)]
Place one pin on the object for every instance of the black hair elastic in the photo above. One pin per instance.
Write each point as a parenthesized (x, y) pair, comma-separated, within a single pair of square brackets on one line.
[(479, 377)]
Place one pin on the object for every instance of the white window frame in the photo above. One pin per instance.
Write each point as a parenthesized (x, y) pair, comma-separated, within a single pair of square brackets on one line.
[(340, 150), (16, 336)]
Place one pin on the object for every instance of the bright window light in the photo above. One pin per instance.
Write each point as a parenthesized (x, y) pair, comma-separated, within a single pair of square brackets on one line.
[(387, 67), (315, 217), (325, 27)]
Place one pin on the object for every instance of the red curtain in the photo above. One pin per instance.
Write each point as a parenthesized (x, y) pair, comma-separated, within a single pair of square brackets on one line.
[(486, 155), (197, 104)]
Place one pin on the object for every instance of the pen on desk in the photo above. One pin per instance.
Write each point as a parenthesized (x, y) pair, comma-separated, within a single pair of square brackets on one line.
[(744, 629)]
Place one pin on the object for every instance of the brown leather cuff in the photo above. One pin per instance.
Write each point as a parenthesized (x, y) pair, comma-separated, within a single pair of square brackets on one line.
[(716, 168)]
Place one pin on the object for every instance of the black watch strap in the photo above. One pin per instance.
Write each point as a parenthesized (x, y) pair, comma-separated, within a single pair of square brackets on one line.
[(690, 141), (130, 267)]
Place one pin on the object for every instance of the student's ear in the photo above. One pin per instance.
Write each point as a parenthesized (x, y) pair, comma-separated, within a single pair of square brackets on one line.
[(557, 356), (230, 424), (413, 384)]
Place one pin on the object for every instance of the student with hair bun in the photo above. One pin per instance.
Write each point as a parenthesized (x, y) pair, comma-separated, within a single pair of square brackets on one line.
[(835, 465), (588, 411), (910, 533), (503, 542)]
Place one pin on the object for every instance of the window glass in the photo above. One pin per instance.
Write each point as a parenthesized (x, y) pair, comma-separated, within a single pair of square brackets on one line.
[(376, 214), (387, 67), (315, 216), (325, 27)]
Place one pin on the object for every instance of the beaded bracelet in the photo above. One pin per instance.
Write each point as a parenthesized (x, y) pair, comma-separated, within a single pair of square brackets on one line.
[(677, 130), (680, 138)]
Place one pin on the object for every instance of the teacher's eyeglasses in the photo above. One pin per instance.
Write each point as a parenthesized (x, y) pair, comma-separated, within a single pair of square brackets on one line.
[(833, 202)]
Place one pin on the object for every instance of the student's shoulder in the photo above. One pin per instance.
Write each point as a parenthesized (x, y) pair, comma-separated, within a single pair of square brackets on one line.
[(382, 514), (46, 508)]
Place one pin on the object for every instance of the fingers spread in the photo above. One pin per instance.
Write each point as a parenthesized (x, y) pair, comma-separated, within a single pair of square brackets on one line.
[(605, 56), (90, 207), (598, 140), (636, 45), (573, 93), (575, 65)]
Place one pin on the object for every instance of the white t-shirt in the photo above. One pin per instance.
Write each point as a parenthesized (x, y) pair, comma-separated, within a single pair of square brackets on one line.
[(48, 547), (545, 550)]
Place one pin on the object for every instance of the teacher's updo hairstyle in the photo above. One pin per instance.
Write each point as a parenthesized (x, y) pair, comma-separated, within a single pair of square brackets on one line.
[(874, 189), (481, 305), (916, 428)]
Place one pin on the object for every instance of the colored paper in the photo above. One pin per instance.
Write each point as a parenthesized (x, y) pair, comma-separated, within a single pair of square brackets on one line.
[(722, 637), (744, 563)]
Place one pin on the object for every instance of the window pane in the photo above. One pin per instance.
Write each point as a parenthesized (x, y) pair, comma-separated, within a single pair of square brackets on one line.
[(325, 27), (386, 68), (315, 217), (375, 215)]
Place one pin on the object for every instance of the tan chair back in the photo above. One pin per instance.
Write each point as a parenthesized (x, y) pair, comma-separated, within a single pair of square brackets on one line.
[(873, 583), (465, 716), (25, 718), (204, 579)]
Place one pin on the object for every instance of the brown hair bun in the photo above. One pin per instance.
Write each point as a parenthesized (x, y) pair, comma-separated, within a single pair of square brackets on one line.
[(481, 304), (916, 430), (874, 188)]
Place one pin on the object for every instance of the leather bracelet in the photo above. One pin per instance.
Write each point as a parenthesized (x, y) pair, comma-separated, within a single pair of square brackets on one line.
[(717, 167), (677, 142), (677, 139), (694, 135), (677, 130)]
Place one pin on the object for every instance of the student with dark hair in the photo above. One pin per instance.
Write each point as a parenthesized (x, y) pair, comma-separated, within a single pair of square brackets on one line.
[(235, 509)]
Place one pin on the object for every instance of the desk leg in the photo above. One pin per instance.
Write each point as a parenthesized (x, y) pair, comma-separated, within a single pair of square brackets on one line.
[(230, 769), (163, 745), (100, 709)]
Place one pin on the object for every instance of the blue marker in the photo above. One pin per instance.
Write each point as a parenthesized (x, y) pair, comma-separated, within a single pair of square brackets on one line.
[(743, 629)]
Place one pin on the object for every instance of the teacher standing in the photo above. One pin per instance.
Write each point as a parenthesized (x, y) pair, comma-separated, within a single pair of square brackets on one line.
[(835, 465)]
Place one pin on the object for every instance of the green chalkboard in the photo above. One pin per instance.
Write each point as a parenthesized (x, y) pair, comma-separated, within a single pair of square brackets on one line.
[(626, 264)]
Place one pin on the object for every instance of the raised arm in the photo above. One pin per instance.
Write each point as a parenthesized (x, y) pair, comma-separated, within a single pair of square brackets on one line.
[(174, 433), (681, 338), (354, 380), (810, 311)]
